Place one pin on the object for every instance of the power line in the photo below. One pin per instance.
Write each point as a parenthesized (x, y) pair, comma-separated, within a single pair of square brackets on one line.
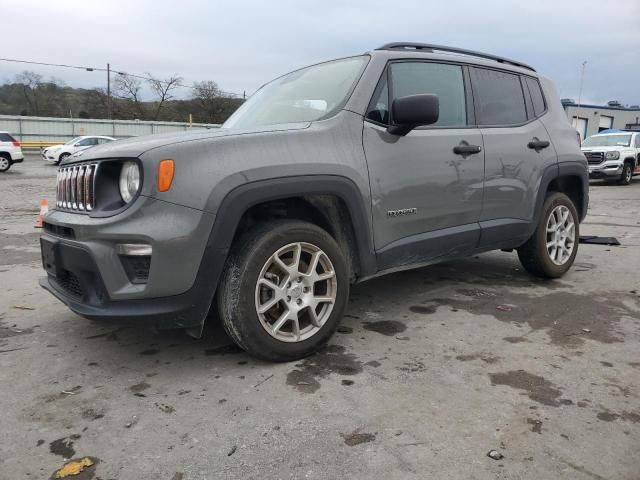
[(100, 69)]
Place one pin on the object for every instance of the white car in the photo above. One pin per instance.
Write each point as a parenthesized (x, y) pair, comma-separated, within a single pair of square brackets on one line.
[(58, 153), (613, 156), (10, 151)]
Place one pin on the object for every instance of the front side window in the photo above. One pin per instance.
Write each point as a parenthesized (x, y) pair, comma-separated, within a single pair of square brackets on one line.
[(306, 95), (499, 98), (87, 142), (444, 80)]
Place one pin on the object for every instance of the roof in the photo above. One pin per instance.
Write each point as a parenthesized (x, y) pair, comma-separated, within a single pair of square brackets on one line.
[(601, 107)]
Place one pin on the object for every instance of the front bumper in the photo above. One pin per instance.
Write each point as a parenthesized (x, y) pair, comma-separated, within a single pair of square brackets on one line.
[(85, 272), (48, 157), (605, 170)]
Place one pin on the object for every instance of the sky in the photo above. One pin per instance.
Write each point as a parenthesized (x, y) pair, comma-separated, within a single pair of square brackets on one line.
[(242, 44)]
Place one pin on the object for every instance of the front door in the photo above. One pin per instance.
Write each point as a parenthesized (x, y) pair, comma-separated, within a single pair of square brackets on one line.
[(426, 197)]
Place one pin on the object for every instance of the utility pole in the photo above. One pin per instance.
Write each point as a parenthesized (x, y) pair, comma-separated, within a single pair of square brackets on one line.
[(584, 64), (108, 91)]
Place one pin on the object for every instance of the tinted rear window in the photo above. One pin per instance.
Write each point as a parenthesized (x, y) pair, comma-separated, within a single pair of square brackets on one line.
[(536, 96), (5, 137), (500, 99)]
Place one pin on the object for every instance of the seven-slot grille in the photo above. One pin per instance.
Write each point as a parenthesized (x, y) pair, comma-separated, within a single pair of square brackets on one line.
[(594, 158), (75, 188)]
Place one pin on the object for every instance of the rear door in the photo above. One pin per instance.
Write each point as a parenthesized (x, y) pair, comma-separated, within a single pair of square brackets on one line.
[(426, 198), (517, 151)]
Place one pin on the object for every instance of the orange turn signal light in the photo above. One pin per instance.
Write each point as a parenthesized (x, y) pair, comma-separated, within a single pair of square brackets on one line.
[(166, 169)]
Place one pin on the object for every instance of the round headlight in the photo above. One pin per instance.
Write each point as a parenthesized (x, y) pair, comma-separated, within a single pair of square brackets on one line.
[(129, 180)]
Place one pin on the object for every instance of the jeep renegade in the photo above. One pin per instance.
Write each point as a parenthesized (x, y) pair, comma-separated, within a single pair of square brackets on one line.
[(405, 156)]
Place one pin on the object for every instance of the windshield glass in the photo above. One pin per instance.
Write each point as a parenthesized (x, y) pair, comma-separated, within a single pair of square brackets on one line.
[(607, 141), (73, 140), (305, 95)]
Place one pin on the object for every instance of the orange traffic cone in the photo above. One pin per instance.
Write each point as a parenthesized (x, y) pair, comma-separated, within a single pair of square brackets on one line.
[(44, 208)]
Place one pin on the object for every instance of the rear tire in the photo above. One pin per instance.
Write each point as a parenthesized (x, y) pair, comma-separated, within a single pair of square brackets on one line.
[(5, 162), (266, 297), (627, 174), (552, 248)]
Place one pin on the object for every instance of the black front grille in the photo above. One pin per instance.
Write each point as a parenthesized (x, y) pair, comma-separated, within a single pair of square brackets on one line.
[(137, 267), (594, 158), (70, 283)]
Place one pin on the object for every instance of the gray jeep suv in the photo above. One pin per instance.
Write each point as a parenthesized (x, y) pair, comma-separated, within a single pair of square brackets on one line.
[(332, 174)]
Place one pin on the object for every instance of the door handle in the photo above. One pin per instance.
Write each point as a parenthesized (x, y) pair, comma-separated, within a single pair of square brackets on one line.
[(465, 149), (537, 144)]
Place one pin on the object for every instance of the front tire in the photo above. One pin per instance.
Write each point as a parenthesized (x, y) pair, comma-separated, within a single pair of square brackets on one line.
[(62, 158), (283, 291), (552, 248), (627, 174)]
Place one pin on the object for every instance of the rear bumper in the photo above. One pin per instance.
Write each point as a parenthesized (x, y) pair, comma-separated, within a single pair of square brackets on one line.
[(17, 157)]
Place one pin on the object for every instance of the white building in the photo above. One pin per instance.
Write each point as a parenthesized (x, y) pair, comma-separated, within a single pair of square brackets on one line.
[(591, 119)]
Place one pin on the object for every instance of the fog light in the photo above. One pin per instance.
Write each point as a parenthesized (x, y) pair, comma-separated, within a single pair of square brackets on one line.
[(133, 249)]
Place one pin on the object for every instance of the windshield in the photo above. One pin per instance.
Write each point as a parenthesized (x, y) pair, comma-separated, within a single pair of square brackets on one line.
[(607, 141), (73, 140), (305, 95)]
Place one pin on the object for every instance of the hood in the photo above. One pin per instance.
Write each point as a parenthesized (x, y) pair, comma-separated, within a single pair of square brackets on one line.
[(613, 148), (136, 146)]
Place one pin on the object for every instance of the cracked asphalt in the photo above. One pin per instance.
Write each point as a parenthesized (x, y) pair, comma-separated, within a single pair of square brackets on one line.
[(429, 371)]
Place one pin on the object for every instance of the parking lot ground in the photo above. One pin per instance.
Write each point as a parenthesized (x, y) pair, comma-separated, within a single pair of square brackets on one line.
[(429, 371)]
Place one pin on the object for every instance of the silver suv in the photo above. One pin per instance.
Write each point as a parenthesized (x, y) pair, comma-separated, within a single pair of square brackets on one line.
[(333, 174)]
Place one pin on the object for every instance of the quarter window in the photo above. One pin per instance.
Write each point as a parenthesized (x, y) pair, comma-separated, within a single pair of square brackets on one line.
[(379, 109), (444, 80), (536, 96), (499, 98)]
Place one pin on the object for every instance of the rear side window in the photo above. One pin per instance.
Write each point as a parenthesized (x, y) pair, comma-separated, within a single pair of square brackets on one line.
[(5, 137), (499, 98), (638, 141), (536, 96), (444, 80)]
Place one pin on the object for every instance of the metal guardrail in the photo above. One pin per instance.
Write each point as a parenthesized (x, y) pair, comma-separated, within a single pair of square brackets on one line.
[(37, 145)]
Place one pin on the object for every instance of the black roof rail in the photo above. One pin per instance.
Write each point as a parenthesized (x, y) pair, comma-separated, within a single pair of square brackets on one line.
[(427, 47)]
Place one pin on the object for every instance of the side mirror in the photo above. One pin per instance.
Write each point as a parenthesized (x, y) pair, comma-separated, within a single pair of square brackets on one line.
[(413, 111)]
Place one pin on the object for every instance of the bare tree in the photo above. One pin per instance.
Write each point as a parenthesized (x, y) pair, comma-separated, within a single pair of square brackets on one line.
[(128, 88), (163, 89), (212, 100), (30, 83)]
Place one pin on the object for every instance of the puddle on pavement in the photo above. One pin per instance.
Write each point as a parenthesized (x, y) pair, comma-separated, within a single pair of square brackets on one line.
[(332, 359), (568, 318), (385, 327), (538, 389)]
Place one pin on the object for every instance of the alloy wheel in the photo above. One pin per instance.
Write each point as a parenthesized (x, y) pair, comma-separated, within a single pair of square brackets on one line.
[(4, 163), (295, 292), (561, 235)]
